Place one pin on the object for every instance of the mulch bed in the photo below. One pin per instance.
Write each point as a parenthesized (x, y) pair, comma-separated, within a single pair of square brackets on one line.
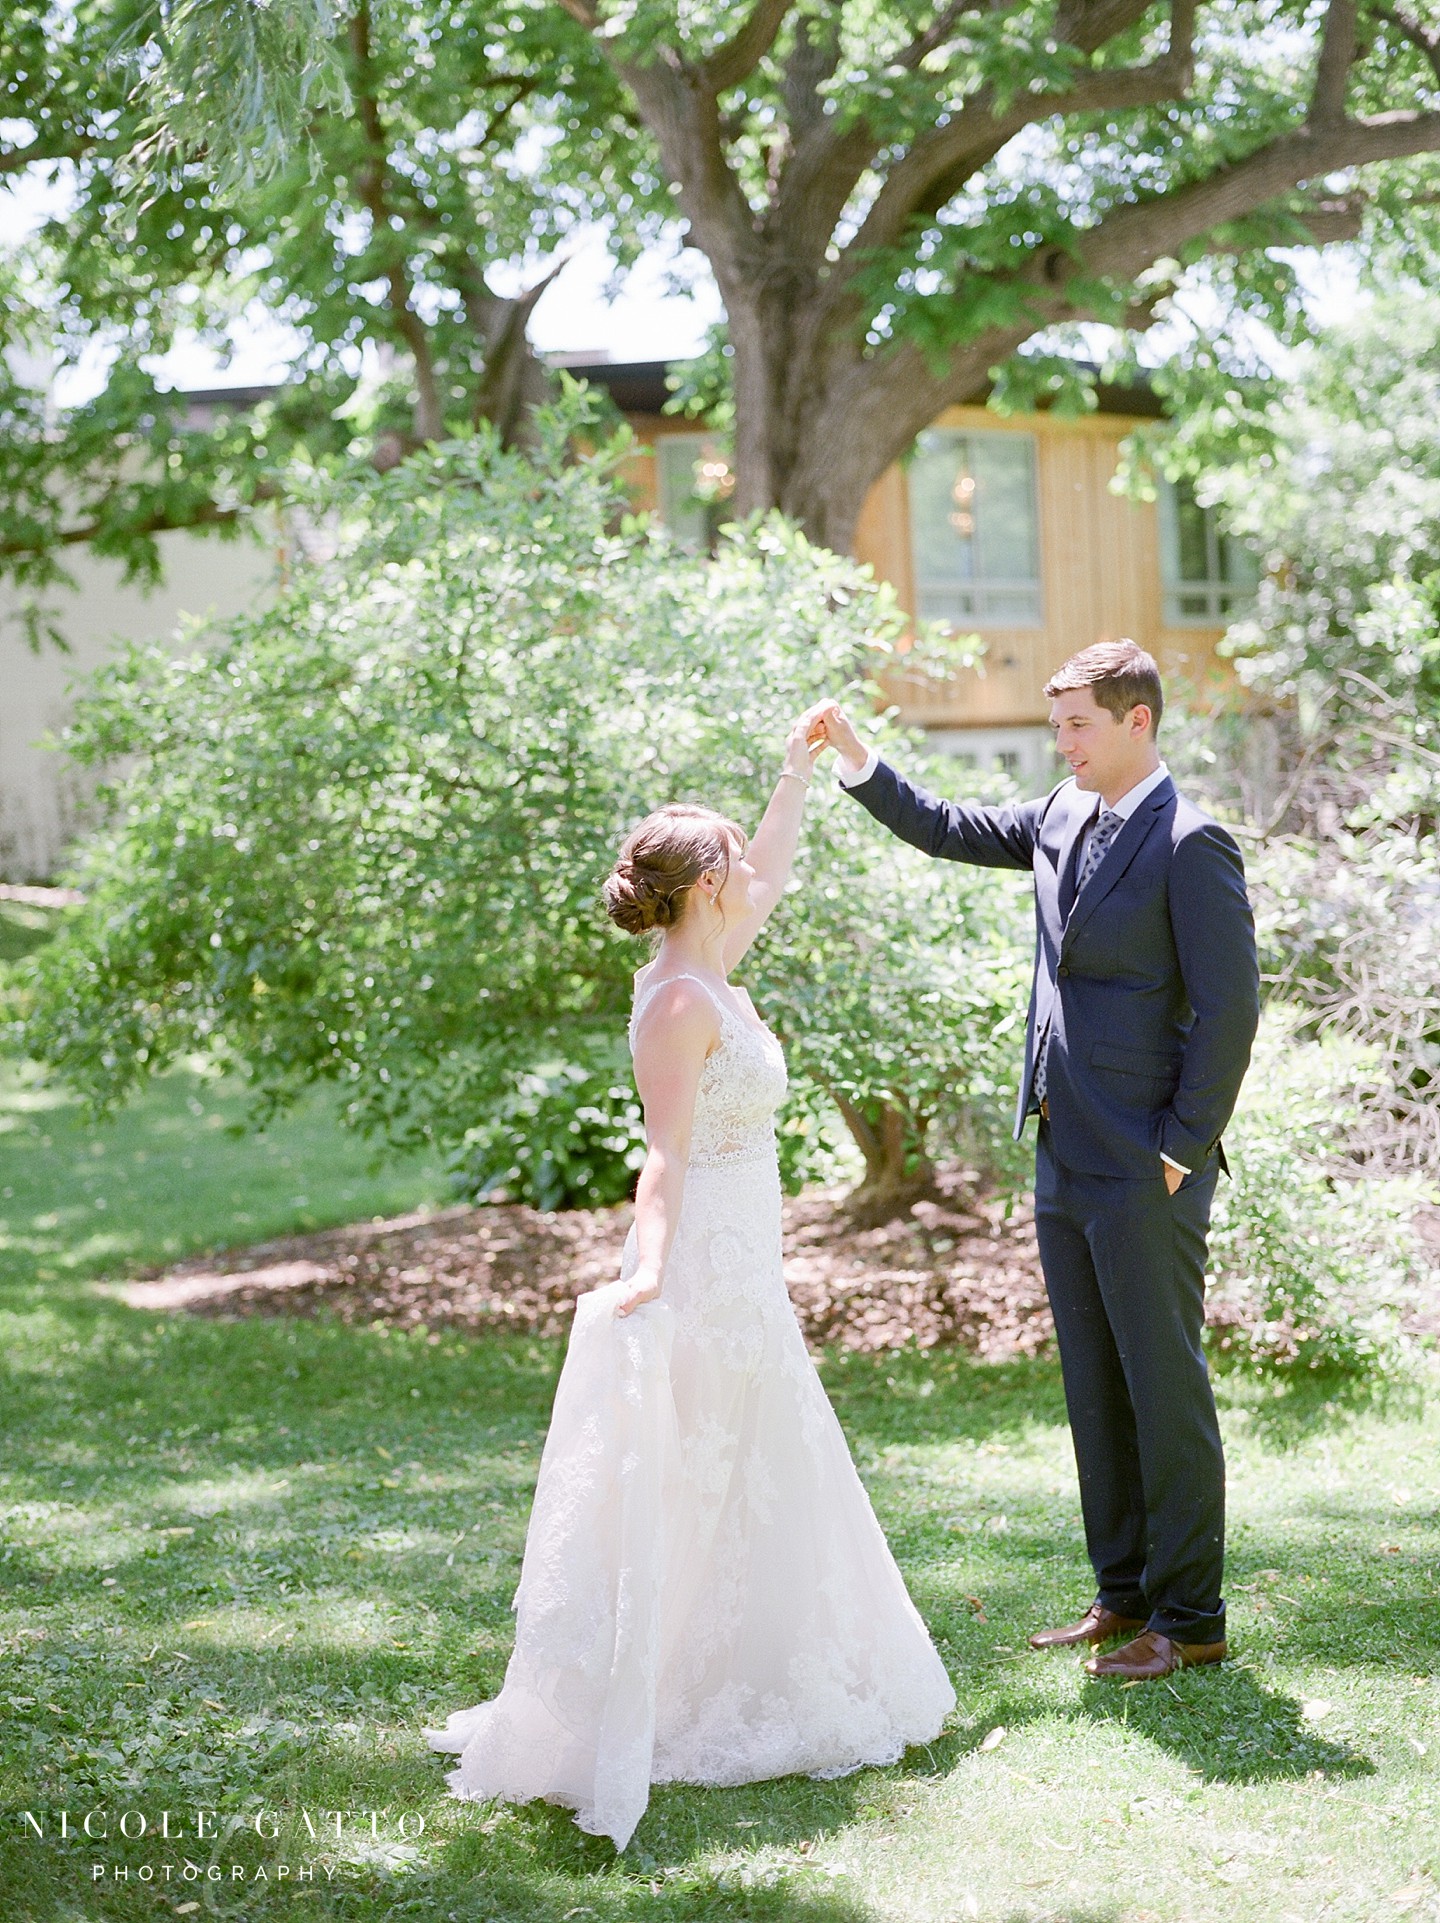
[(956, 1269)]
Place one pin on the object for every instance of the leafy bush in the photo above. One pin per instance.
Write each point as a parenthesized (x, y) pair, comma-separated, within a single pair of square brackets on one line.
[(1312, 1267), (571, 1135), (364, 830), (568, 1135), (1332, 758)]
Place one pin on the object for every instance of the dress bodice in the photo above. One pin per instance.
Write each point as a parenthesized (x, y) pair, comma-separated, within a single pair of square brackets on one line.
[(741, 1085)]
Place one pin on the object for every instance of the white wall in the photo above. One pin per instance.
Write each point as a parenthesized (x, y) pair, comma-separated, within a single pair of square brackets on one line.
[(42, 798)]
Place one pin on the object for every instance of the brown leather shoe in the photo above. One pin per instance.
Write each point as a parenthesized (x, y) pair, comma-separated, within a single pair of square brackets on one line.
[(1152, 1656), (1097, 1625)]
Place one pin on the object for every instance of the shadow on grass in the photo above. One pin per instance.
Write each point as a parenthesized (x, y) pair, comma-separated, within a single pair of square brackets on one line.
[(941, 1395), (1222, 1724), (1110, 1914), (116, 1407), (1292, 1410), (465, 1883)]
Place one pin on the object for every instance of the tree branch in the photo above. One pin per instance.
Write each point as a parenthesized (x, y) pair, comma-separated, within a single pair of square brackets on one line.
[(882, 407), (738, 58), (813, 59), (14, 160), (1125, 242), (934, 35), (521, 87), (1415, 32), (937, 167), (370, 178), (510, 366), (206, 514), (1333, 220), (825, 163), (1332, 69)]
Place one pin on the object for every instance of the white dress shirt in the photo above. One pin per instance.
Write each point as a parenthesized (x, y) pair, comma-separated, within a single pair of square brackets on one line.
[(1124, 807)]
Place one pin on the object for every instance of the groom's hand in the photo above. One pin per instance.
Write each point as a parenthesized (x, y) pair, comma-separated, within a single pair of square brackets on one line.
[(1173, 1177), (832, 718)]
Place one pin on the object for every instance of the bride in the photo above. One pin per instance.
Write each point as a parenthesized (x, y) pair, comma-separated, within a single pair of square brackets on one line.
[(706, 1596)]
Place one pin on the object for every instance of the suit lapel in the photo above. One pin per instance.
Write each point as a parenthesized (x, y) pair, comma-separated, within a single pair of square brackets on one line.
[(1117, 858), (1068, 863)]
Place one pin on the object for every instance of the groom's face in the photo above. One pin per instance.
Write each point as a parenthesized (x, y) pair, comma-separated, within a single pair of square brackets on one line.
[(1099, 746)]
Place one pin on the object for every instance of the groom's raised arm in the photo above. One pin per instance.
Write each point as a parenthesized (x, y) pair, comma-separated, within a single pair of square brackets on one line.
[(1001, 837)]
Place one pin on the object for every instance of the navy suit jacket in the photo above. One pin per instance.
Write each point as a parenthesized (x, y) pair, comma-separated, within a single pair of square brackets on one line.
[(1148, 981)]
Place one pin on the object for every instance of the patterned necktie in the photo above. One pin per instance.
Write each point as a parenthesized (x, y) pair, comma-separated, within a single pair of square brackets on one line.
[(1107, 825)]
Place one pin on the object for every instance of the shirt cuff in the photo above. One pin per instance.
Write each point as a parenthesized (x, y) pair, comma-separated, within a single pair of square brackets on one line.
[(847, 779), (1170, 1159)]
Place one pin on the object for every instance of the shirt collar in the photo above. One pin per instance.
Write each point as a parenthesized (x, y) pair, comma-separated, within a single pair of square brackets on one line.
[(1131, 799)]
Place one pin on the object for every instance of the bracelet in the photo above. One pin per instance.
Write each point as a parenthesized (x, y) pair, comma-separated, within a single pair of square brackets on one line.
[(789, 774)]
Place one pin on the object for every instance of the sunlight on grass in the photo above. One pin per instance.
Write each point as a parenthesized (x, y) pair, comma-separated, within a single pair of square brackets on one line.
[(246, 1562), (322, 1562), (167, 1177)]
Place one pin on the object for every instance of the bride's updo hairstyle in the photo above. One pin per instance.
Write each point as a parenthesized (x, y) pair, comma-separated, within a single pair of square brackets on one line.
[(661, 861)]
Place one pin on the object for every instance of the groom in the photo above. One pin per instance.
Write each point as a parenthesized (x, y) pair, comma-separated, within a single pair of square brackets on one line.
[(1143, 1010)]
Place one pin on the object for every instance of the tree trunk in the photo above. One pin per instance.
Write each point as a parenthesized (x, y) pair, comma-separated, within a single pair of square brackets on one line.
[(847, 417), (774, 383), (898, 1169)]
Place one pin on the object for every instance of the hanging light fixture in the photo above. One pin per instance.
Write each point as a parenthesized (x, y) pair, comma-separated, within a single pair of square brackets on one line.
[(962, 514)]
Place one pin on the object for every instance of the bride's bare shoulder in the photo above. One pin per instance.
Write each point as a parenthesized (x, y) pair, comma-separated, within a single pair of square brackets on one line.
[(673, 1004)]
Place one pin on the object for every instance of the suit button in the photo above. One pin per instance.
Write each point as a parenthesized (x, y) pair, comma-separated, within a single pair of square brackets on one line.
[(1062, 969)]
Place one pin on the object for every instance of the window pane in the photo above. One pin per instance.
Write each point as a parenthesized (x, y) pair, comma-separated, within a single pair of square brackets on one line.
[(942, 520), (1191, 522), (1208, 575), (1237, 563), (973, 528), (692, 519), (1004, 508)]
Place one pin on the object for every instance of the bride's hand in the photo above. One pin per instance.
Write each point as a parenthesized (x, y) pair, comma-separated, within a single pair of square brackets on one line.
[(807, 740), (642, 1286), (839, 734)]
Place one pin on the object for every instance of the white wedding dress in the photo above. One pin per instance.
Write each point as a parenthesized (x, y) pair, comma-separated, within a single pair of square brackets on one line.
[(706, 1596)]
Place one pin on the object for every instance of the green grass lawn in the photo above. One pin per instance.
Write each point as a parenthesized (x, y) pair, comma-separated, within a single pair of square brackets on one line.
[(245, 1562), (176, 1173)]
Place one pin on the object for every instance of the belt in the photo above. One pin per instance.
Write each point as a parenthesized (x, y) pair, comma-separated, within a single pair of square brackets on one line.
[(1045, 1107)]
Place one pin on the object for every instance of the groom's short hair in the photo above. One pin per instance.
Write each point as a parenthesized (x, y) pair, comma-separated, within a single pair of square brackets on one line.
[(1118, 673)]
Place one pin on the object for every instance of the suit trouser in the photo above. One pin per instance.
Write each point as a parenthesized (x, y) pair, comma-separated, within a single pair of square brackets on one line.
[(1124, 1265)]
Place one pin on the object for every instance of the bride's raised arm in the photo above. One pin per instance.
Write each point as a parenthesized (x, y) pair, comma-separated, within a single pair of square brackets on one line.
[(771, 852)]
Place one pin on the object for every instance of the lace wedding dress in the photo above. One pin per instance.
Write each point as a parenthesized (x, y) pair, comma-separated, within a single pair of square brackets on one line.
[(706, 1596)]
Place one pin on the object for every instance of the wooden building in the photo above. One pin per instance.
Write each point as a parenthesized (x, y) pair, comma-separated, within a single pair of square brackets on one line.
[(1005, 528)]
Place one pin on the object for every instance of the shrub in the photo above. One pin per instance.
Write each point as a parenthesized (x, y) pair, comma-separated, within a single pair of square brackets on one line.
[(567, 1135), (1312, 1267), (364, 830)]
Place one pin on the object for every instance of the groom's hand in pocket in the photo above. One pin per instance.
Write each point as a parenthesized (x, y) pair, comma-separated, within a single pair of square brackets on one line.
[(1174, 1177)]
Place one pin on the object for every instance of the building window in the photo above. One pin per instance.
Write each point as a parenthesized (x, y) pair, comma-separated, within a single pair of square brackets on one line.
[(1207, 574), (1025, 756), (695, 485), (974, 529)]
